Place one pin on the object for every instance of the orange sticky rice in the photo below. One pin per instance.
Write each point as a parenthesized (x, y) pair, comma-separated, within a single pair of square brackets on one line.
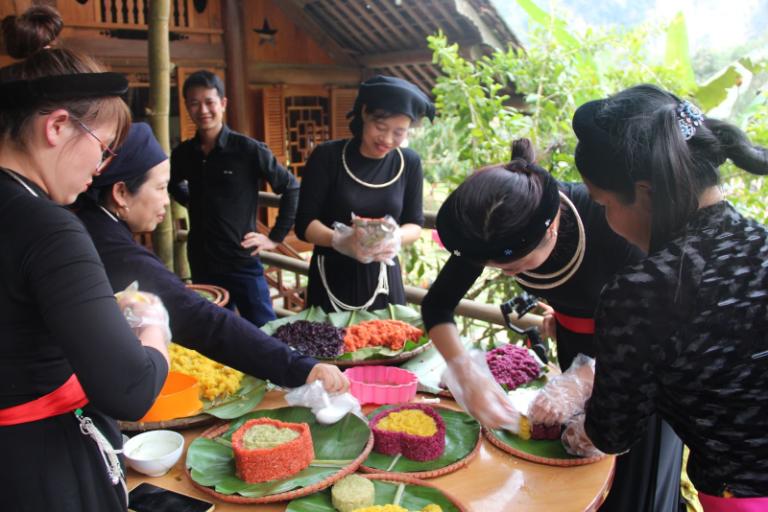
[(255, 465)]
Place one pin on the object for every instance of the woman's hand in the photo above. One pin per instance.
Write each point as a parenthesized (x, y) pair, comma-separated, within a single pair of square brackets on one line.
[(480, 395), (258, 243), (548, 323), (334, 381)]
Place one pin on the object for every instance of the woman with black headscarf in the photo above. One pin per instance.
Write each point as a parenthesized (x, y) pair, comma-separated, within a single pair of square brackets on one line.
[(369, 176), (554, 240), (131, 196), (683, 333)]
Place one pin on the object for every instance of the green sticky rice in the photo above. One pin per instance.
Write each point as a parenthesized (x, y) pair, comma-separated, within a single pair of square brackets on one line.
[(267, 436), (352, 492)]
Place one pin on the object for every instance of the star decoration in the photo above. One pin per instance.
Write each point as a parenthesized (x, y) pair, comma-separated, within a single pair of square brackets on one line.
[(547, 222), (507, 252), (456, 252)]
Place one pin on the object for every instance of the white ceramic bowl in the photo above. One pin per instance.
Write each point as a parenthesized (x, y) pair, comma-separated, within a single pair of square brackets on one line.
[(155, 452)]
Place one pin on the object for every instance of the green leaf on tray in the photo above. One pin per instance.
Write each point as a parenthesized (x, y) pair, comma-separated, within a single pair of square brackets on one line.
[(249, 395), (213, 465), (551, 449), (414, 497), (461, 436)]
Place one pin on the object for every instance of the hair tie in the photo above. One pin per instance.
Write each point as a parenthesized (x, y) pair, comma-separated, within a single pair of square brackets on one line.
[(689, 117)]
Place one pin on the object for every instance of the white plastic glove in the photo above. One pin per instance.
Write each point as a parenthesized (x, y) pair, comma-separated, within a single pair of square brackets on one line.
[(564, 396), (575, 438), (328, 409), (477, 392), (368, 240), (142, 309)]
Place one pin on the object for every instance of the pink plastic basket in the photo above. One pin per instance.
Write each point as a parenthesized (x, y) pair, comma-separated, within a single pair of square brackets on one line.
[(382, 384)]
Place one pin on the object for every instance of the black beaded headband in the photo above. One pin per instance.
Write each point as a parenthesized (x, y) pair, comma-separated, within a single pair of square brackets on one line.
[(22, 93), (512, 247)]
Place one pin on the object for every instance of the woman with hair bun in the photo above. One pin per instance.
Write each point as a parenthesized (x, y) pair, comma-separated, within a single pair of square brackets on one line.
[(683, 333), (69, 361), (554, 240), (370, 176)]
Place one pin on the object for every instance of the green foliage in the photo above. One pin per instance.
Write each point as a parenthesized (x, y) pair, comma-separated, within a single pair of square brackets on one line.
[(486, 103)]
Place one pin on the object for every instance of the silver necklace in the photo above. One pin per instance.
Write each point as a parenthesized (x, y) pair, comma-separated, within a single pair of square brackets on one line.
[(570, 268), (109, 214), (365, 183), (21, 182)]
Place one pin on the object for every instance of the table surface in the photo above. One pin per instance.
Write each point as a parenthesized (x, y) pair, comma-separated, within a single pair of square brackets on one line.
[(493, 482)]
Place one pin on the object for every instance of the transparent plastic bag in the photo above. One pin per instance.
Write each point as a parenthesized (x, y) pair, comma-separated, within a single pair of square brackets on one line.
[(575, 438), (564, 396), (368, 240), (473, 387), (142, 309), (328, 409)]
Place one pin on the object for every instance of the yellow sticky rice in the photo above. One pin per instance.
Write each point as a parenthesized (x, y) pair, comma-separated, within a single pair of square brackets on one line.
[(216, 380), (409, 421), (397, 508)]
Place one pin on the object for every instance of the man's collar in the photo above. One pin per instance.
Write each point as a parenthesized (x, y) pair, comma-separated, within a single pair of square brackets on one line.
[(221, 139)]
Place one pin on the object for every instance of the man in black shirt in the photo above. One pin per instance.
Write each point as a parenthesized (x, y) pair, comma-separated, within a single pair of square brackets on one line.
[(217, 175)]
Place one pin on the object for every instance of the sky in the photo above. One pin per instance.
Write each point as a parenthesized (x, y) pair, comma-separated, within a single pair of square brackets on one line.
[(712, 24)]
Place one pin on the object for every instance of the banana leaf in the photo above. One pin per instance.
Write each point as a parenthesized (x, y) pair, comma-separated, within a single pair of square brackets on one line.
[(552, 449), (347, 318), (461, 436), (414, 497), (246, 398), (212, 464)]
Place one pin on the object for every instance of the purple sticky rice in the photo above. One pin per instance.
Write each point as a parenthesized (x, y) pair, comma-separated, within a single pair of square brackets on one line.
[(512, 366), (418, 448)]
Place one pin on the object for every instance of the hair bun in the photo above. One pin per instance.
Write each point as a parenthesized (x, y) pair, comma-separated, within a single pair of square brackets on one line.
[(522, 149), (37, 28)]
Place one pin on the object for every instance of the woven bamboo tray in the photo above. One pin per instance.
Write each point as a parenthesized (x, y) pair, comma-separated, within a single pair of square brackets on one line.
[(199, 420), (221, 428), (387, 361), (220, 296), (549, 461)]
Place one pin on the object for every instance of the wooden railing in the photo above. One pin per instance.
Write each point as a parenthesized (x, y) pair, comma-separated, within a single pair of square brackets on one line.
[(134, 12), (413, 294)]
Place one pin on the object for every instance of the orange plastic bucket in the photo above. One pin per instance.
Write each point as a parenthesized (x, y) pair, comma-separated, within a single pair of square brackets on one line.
[(179, 398)]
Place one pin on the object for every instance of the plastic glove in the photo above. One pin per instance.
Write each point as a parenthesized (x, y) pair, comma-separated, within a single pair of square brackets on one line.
[(327, 408), (564, 396), (477, 392), (575, 438), (142, 309), (332, 379), (368, 240)]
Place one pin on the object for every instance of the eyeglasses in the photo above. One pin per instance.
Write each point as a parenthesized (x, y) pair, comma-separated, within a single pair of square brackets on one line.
[(106, 151)]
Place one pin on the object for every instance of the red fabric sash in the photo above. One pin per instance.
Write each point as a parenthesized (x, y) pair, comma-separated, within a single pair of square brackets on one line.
[(717, 504), (576, 324), (66, 398)]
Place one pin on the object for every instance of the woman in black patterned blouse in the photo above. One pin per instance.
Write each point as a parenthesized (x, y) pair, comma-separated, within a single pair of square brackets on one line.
[(684, 333)]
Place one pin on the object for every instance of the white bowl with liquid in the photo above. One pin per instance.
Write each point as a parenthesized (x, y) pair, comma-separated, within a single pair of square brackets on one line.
[(155, 452)]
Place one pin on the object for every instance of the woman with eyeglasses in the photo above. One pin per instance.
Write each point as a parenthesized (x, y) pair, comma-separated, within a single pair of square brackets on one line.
[(370, 176), (69, 362), (130, 196)]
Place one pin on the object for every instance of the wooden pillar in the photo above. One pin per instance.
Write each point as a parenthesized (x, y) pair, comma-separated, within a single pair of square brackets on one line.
[(233, 16)]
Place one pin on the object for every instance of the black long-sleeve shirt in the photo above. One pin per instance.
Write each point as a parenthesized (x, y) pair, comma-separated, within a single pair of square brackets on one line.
[(196, 323), (58, 315), (685, 333), (222, 194)]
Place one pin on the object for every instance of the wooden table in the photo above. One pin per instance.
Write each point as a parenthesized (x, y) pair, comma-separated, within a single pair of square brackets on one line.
[(493, 482)]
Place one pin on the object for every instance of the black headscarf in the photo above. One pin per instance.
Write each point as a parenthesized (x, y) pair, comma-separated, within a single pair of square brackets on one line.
[(20, 93), (139, 153), (393, 95)]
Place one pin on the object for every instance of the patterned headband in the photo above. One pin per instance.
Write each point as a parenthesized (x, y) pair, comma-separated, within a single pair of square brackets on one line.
[(689, 117)]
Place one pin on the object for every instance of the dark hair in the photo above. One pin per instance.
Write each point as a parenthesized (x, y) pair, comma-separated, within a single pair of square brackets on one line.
[(380, 114), (498, 201), (28, 37), (639, 128), (101, 195), (205, 79)]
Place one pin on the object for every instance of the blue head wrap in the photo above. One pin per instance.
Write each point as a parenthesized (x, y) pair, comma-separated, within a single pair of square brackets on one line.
[(139, 153)]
